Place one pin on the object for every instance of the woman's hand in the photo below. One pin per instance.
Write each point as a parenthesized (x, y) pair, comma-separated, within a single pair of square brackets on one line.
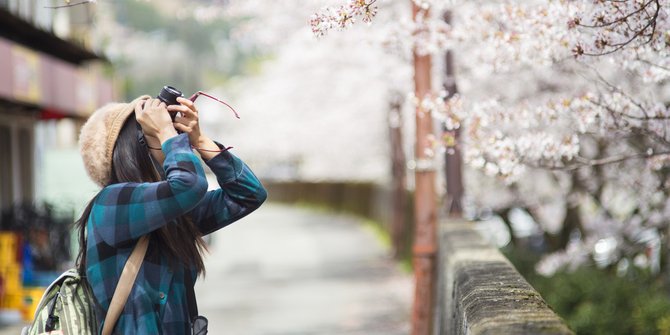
[(155, 119), (189, 123)]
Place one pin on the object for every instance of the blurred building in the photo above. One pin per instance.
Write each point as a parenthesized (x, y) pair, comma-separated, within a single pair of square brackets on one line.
[(50, 81)]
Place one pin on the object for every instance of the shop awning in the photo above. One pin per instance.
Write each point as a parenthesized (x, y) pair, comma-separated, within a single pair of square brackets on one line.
[(22, 32)]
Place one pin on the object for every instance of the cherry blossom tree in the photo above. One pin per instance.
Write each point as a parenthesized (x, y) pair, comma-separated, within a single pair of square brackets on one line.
[(570, 93), (330, 95)]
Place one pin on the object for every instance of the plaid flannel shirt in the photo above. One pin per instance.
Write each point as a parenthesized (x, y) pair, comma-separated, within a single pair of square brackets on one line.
[(124, 212)]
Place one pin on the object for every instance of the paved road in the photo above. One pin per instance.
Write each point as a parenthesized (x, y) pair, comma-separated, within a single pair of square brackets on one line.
[(290, 271)]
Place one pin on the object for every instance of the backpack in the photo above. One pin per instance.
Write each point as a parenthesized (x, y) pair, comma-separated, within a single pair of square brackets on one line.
[(65, 308)]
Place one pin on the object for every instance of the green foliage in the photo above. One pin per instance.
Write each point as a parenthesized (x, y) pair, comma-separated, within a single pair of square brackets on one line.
[(139, 15), (212, 58), (254, 65), (145, 17), (199, 37), (597, 301), (651, 314), (664, 325)]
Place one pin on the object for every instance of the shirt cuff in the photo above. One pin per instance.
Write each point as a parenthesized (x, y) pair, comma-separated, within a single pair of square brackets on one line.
[(225, 166)]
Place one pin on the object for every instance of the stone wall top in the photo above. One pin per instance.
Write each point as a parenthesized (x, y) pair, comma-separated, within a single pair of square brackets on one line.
[(480, 291)]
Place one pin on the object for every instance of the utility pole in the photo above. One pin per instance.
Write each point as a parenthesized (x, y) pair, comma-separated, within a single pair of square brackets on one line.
[(399, 175), (453, 160), (425, 204)]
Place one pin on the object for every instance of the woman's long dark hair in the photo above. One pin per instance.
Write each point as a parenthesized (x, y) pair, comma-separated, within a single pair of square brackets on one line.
[(131, 163)]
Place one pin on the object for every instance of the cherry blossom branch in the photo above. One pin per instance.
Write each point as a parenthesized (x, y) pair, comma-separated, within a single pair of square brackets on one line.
[(645, 118), (612, 28), (614, 159), (644, 61), (617, 21), (68, 4), (616, 89), (586, 162), (343, 16)]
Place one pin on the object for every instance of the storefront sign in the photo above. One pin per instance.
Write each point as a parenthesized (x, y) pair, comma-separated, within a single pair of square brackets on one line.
[(59, 87), (26, 74), (86, 93)]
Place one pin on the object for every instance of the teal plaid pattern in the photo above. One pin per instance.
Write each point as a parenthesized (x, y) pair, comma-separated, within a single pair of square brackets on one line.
[(124, 212)]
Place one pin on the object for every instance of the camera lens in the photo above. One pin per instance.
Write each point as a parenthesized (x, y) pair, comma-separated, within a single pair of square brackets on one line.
[(169, 95)]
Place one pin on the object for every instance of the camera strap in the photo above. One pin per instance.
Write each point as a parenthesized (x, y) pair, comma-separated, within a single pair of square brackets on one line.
[(143, 142), (158, 168), (190, 296)]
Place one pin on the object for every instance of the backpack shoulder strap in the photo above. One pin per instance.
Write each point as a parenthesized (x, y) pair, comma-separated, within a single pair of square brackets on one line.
[(125, 284)]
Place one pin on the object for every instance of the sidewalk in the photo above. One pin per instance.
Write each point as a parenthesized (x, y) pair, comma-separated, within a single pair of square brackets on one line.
[(291, 271), (285, 270), (11, 330)]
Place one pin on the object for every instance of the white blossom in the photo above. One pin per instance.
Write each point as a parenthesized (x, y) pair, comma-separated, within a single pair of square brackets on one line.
[(578, 87)]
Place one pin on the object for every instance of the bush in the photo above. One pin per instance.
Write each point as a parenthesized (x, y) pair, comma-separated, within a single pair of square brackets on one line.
[(597, 301)]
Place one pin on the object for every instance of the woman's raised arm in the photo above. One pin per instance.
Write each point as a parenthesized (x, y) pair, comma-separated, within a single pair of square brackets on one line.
[(126, 211)]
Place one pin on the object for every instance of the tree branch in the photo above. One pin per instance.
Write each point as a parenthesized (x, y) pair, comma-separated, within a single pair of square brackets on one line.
[(619, 20), (637, 33), (68, 4), (586, 162)]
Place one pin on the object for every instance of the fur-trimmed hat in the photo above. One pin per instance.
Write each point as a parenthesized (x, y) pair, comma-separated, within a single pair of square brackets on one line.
[(98, 136)]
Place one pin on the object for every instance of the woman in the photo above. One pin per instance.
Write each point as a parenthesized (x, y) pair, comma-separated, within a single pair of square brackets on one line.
[(126, 148)]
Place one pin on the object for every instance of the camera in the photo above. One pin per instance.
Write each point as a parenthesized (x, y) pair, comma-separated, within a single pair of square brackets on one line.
[(169, 95)]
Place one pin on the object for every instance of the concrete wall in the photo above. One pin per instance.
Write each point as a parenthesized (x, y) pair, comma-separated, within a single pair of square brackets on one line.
[(480, 292)]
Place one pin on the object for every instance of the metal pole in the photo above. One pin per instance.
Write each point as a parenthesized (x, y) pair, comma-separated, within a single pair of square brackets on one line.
[(399, 175), (425, 206), (453, 161)]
